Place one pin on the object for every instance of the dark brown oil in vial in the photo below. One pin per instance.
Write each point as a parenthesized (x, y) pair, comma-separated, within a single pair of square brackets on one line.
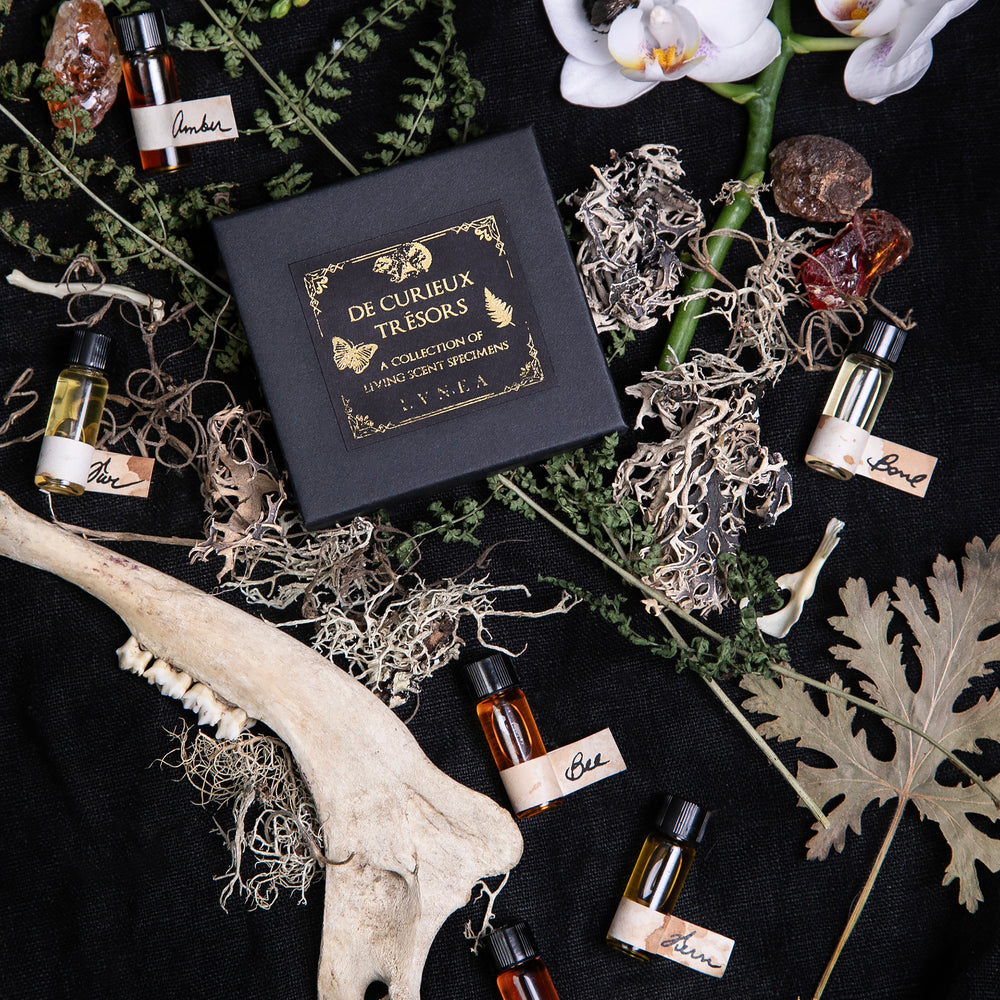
[(151, 79), (528, 981)]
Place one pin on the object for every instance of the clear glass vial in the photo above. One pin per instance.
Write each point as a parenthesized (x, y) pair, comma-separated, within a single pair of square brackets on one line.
[(75, 416), (854, 403), (521, 974), (663, 863), (150, 78), (507, 721)]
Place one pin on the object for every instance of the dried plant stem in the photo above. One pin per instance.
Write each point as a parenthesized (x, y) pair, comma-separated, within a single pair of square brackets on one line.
[(266, 77), (145, 237), (713, 686), (863, 898)]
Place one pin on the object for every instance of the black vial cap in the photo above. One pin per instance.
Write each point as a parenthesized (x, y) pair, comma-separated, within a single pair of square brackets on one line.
[(684, 821), (89, 348), (510, 946), (491, 674), (140, 32), (885, 341)]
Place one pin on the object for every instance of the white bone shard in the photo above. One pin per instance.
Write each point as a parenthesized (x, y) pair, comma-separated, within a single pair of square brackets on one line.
[(801, 585), (412, 841)]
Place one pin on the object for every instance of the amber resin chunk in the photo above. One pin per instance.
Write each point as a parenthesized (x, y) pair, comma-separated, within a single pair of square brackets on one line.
[(818, 178), (871, 244), (83, 54)]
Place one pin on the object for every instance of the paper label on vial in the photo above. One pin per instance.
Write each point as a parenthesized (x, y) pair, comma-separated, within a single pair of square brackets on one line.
[(894, 465), (673, 938), (838, 443), (123, 475), (846, 446), (185, 123), (531, 783), (64, 458), (580, 764)]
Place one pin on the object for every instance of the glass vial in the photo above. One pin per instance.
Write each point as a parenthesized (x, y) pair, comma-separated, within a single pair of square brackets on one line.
[(521, 974), (509, 727), (854, 403), (150, 78), (663, 863), (75, 416)]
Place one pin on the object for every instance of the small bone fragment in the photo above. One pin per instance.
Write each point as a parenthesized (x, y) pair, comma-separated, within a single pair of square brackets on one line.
[(63, 289), (411, 840), (800, 585)]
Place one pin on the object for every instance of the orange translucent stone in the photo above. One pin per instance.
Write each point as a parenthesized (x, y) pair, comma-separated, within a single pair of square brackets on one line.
[(871, 244), (82, 53)]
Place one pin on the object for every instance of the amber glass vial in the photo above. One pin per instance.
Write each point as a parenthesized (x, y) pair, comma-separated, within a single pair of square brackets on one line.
[(74, 417), (506, 718), (521, 974), (664, 861), (150, 78)]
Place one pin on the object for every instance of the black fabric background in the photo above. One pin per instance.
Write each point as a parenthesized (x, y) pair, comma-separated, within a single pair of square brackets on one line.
[(106, 866)]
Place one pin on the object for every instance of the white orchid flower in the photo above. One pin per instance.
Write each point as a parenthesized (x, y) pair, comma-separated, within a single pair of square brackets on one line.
[(714, 41), (898, 49)]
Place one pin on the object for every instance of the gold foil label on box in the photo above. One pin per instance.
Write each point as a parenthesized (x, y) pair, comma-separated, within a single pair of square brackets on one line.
[(185, 123), (122, 475), (673, 938), (422, 325)]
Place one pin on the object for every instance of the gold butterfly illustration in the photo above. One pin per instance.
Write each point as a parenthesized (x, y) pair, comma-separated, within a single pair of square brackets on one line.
[(353, 356)]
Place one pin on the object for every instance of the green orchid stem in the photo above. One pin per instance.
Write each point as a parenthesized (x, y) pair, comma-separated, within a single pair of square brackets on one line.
[(823, 43), (266, 77), (713, 686), (654, 595), (145, 237), (859, 903), (760, 108)]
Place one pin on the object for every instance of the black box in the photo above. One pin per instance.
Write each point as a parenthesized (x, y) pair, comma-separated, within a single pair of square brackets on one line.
[(418, 327)]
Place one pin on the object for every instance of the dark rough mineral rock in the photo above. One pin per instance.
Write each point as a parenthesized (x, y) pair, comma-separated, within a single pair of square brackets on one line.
[(83, 54), (870, 245), (819, 178)]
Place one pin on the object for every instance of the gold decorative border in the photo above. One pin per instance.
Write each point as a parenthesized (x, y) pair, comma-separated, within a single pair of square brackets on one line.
[(362, 426)]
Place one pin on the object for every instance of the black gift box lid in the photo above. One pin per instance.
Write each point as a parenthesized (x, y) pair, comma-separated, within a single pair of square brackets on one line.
[(418, 327)]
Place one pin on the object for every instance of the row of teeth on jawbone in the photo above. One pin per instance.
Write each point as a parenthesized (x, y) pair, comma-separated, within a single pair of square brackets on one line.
[(212, 710)]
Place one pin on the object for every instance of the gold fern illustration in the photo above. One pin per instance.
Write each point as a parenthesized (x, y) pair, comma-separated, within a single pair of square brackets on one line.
[(499, 311)]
